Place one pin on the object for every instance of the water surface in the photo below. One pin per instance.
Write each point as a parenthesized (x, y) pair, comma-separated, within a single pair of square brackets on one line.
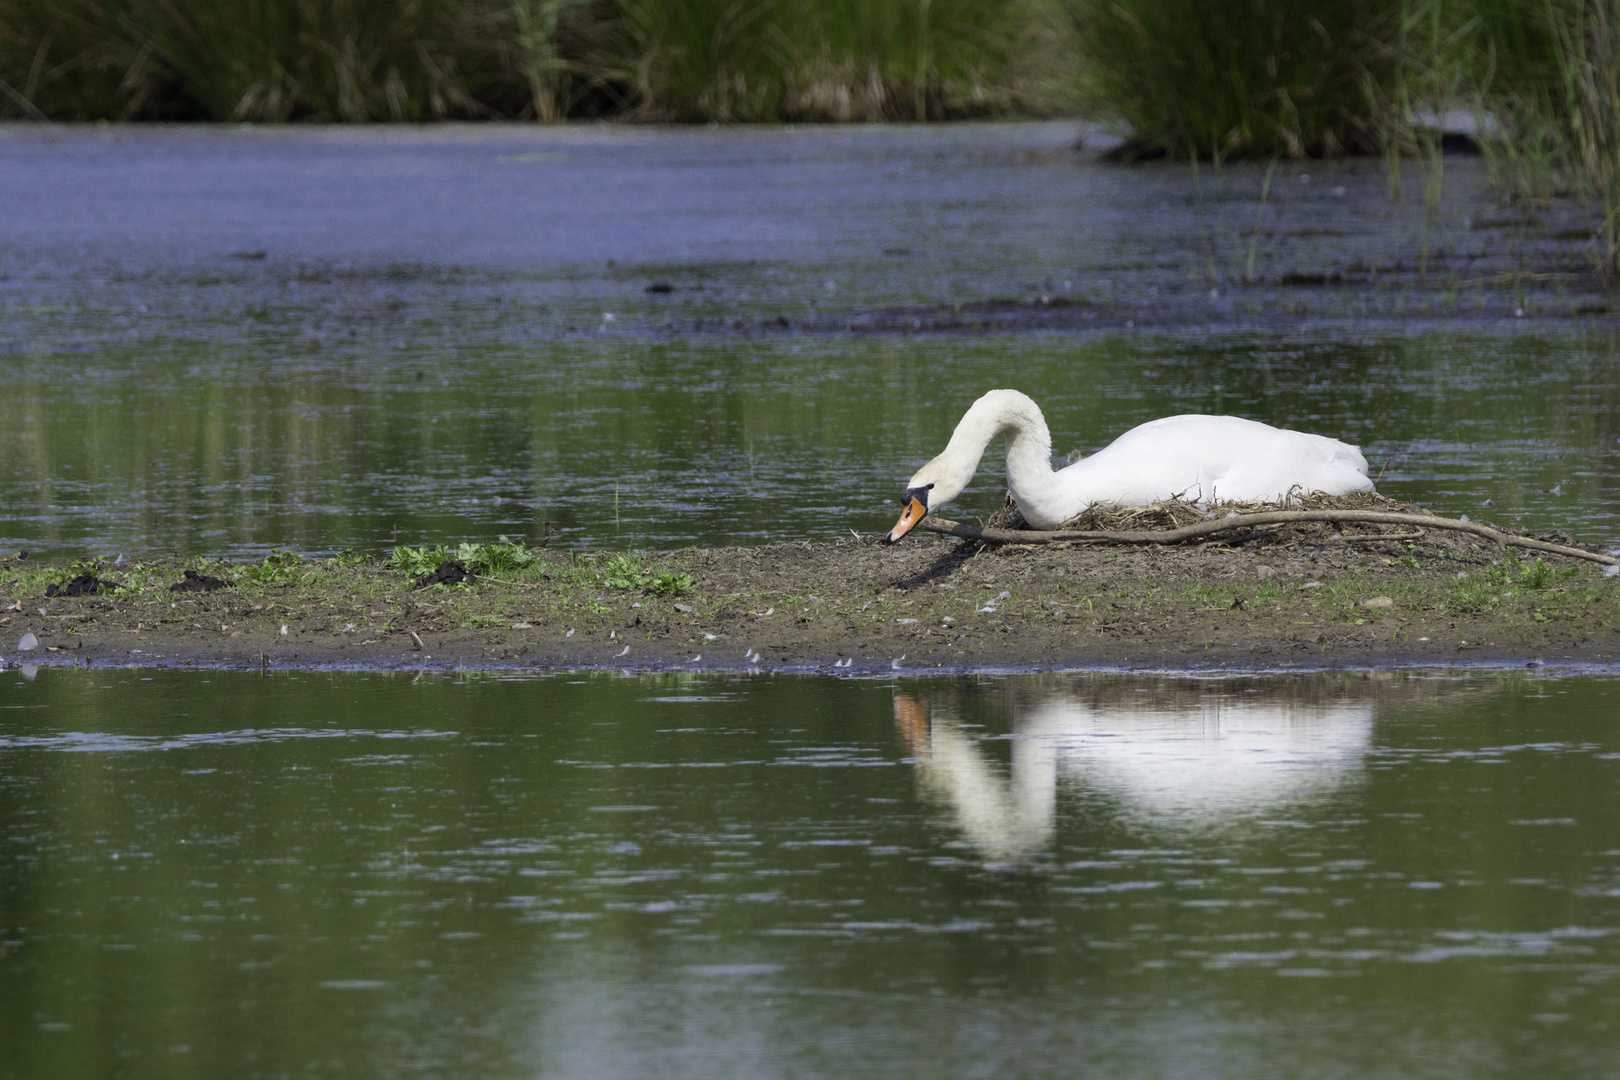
[(697, 876), (228, 341), (643, 444)]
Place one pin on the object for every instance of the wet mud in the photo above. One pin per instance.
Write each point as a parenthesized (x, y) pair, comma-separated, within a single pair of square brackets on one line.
[(1301, 599)]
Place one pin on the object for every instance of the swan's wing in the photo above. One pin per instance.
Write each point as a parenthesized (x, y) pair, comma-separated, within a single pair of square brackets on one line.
[(1218, 457)]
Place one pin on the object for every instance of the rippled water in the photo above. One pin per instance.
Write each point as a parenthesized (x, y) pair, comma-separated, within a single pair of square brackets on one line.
[(642, 444), (228, 341), (694, 876)]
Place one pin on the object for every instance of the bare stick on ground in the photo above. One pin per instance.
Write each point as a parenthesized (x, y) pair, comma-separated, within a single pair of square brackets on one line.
[(1234, 522)]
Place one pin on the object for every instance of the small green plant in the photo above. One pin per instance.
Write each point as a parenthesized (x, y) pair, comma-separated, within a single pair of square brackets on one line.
[(1479, 593), (1511, 573), (1475, 594), (1536, 574), (506, 556), (675, 584), (416, 561), (277, 566), (631, 572), (623, 572), (139, 578)]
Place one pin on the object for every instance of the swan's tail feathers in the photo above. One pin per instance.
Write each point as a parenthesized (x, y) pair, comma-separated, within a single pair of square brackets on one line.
[(1351, 456), (1348, 468)]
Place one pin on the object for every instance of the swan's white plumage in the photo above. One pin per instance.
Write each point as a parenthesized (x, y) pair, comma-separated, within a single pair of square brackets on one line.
[(1198, 458)]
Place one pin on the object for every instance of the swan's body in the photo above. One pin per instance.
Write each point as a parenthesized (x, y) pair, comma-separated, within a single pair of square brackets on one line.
[(1198, 458)]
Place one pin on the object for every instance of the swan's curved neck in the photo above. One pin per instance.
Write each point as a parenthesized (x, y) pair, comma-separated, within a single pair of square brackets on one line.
[(1029, 449)]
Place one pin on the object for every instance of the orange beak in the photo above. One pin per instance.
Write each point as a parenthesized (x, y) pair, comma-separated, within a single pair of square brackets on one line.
[(914, 512)]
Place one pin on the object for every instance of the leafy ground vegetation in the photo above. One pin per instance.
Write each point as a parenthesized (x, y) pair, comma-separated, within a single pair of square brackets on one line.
[(1306, 597)]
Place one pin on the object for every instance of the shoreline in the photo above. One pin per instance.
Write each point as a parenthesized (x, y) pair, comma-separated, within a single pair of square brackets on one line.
[(1305, 599), (1537, 668)]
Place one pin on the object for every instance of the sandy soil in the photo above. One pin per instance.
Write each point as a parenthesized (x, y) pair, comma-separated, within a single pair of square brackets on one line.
[(1312, 597)]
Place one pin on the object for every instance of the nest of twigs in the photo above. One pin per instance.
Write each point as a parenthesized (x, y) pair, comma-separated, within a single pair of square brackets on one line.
[(1360, 517), (1176, 513)]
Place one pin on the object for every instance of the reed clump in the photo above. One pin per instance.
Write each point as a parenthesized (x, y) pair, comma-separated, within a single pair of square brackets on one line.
[(833, 59), (1241, 77), (280, 60), (1551, 81)]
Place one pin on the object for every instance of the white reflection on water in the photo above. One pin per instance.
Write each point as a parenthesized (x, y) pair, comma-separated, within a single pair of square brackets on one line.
[(1205, 761)]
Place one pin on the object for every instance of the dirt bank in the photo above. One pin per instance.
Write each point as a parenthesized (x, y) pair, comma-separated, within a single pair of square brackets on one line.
[(1310, 597)]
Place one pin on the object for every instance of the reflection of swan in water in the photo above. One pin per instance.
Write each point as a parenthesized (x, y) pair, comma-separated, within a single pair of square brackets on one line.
[(1204, 762), (1009, 816)]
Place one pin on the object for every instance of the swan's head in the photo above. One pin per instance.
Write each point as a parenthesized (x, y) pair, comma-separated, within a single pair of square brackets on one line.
[(941, 480), (933, 485)]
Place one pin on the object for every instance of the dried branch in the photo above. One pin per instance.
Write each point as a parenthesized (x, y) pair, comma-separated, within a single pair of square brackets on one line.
[(1241, 521)]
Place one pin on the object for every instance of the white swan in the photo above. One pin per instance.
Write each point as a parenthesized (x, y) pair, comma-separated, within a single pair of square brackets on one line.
[(1202, 458)]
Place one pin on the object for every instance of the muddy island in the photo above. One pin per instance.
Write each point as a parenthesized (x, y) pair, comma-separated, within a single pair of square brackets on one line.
[(1308, 595)]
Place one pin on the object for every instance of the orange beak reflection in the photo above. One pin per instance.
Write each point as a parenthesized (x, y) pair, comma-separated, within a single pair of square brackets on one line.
[(914, 512), (911, 718)]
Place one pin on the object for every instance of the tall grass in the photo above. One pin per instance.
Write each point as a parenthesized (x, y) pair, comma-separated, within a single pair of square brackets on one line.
[(1552, 79), (1241, 77), (1272, 78), (372, 60), (278, 60), (827, 59)]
